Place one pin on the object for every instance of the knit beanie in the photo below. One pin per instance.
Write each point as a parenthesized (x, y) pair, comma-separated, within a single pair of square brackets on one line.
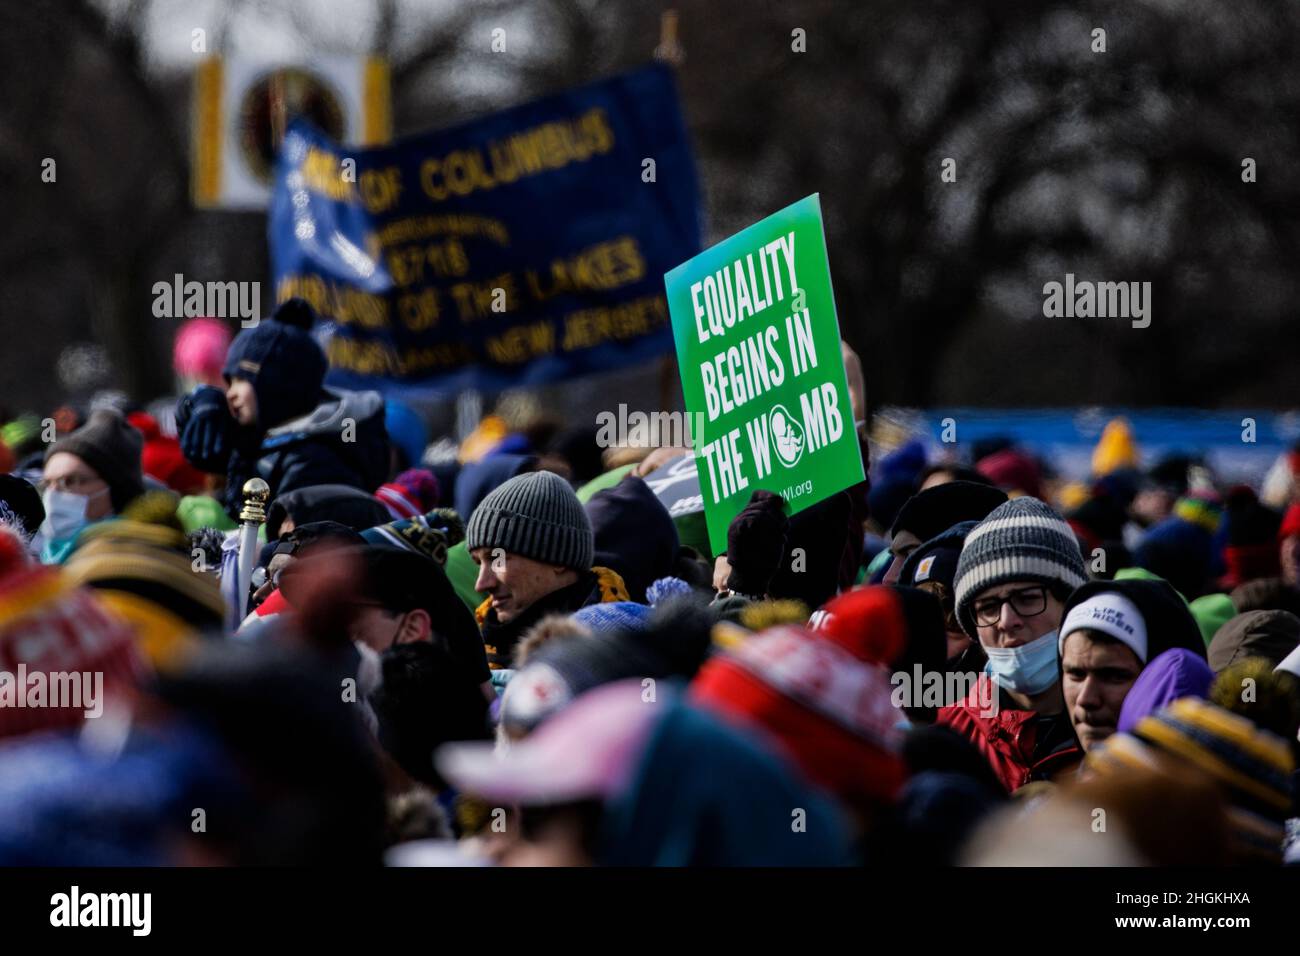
[(1099, 522), (413, 492), (936, 558), (1149, 617), (431, 535), (1201, 507), (282, 361), (887, 496), (199, 349), (613, 616), (141, 566), (49, 625), (112, 448), (900, 628), (829, 711), (905, 461), (867, 622), (1013, 470), (1022, 540), (931, 512), (1247, 539), (1252, 766), (1212, 611), (342, 503), (535, 515)]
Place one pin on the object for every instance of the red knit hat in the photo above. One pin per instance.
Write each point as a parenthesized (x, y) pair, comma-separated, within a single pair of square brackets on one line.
[(1014, 470), (49, 626), (867, 622), (414, 492), (828, 711)]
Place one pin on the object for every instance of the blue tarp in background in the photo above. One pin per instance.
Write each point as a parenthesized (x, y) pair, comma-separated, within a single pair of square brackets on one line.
[(1065, 438), (548, 202)]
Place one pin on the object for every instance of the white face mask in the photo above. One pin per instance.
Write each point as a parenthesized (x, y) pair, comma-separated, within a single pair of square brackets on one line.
[(65, 513), (1027, 669)]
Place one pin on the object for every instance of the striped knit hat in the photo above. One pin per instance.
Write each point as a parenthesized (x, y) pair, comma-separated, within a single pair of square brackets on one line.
[(1022, 540), (1251, 765), (427, 534), (57, 641), (829, 711), (413, 492), (536, 515), (142, 567)]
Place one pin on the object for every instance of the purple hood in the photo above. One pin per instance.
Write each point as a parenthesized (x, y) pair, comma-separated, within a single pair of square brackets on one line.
[(1173, 674)]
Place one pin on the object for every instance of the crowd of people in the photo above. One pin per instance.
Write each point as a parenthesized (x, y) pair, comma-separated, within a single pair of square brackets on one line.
[(505, 650)]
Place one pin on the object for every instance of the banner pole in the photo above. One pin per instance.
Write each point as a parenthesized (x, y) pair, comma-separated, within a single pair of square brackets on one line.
[(256, 494), (469, 412), (669, 50), (277, 109)]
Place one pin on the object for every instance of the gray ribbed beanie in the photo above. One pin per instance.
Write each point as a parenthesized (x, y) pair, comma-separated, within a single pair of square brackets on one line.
[(113, 448), (1022, 540), (536, 515)]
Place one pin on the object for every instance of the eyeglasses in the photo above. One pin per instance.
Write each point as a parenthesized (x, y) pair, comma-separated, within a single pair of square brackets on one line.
[(1026, 602), (945, 596), (77, 484), (261, 576)]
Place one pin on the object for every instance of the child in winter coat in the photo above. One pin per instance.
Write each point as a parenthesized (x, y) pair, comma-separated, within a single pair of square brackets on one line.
[(277, 421)]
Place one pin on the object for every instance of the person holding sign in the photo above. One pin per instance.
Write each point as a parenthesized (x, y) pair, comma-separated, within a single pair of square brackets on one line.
[(762, 365)]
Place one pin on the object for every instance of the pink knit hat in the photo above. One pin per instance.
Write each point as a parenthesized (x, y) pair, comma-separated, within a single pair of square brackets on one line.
[(200, 349)]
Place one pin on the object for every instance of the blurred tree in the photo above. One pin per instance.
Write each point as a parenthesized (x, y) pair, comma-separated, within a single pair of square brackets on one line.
[(1123, 165)]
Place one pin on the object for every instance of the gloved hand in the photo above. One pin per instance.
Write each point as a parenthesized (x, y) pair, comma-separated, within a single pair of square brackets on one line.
[(755, 543), (203, 422)]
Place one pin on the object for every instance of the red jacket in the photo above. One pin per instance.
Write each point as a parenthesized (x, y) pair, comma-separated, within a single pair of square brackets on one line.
[(1008, 739)]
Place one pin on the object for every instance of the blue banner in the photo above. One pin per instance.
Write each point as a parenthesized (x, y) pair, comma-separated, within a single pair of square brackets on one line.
[(519, 249)]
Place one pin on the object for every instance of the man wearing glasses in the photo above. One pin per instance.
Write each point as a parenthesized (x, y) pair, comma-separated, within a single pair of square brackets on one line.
[(90, 475), (1017, 569)]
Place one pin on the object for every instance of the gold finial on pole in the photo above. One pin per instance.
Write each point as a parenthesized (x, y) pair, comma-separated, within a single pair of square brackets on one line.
[(256, 494), (669, 50)]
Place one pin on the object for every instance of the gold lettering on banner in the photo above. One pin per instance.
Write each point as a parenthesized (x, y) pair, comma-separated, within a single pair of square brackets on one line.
[(586, 328), (540, 149), (522, 343)]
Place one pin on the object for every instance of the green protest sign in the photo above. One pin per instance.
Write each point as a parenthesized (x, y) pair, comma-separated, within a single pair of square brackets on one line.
[(758, 346)]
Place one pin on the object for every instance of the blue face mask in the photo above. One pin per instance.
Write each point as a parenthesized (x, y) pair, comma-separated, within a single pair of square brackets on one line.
[(1027, 669)]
